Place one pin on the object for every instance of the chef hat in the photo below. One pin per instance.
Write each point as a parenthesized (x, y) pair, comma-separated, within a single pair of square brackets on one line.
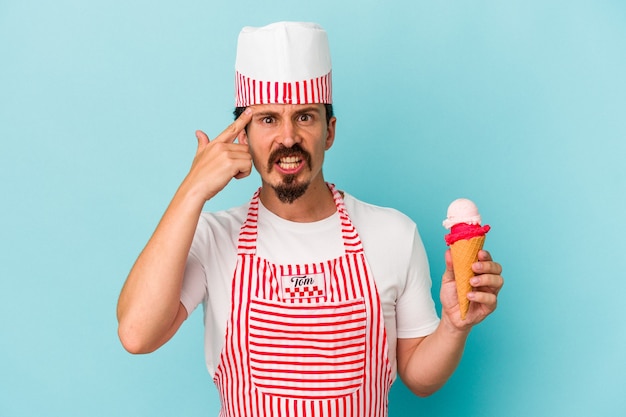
[(283, 63)]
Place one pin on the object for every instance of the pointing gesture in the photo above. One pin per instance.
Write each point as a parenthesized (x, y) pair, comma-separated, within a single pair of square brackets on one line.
[(219, 160)]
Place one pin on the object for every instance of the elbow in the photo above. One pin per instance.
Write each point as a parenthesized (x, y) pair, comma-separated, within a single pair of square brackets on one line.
[(423, 392), (132, 342), (420, 389)]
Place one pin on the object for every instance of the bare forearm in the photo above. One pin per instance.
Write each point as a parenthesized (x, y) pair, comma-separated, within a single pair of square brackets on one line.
[(150, 299), (425, 364), (149, 310), (428, 366)]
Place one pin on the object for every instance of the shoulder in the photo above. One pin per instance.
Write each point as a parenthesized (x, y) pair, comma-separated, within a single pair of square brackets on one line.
[(224, 219), (385, 232), (219, 229), (370, 216)]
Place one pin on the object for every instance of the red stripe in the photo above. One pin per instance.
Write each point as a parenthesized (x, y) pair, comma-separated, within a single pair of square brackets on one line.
[(375, 373), (302, 371), (241, 92), (311, 363), (239, 88), (300, 332), (330, 87), (239, 348), (237, 85), (249, 97), (297, 92), (371, 343), (308, 325), (316, 93), (303, 381), (253, 95), (346, 306), (261, 98), (303, 356), (325, 80), (307, 346), (353, 386), (319, 90)]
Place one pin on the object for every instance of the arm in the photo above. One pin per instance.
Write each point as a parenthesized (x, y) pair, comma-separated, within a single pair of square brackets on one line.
[(149, 311), (425, 364)]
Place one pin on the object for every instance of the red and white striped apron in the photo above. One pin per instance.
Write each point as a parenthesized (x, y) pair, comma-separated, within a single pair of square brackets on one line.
[(304, 340)]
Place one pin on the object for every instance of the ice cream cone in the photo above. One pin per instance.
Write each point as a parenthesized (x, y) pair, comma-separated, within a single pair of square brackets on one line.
[(464, 254)]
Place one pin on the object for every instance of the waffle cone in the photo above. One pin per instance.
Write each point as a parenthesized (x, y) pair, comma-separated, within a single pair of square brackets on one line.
[(464, 254)]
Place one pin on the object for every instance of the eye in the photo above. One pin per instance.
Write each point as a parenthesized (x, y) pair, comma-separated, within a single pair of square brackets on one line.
[(305, 117), (267, 120)]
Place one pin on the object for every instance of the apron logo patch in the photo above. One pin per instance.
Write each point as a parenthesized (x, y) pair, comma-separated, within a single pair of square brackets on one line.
[(303, 286)]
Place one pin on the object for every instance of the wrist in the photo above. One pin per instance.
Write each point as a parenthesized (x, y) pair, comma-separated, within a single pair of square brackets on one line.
[(192, 193), (450, 328)]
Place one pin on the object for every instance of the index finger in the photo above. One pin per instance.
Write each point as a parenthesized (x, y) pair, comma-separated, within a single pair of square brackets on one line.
[(231, 132), (449, 272), (484, 255)]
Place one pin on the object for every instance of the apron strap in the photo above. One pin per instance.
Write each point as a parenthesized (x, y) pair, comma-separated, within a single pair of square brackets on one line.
[(351, 240), (246, 244)]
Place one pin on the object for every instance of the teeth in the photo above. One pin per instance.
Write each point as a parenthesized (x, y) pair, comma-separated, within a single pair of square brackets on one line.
[(289, 162)]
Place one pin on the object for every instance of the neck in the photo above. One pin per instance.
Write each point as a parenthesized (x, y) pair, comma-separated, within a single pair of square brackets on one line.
[(315, 204)]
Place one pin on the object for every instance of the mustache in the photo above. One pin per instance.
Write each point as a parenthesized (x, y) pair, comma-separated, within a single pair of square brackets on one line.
[(295, 150)]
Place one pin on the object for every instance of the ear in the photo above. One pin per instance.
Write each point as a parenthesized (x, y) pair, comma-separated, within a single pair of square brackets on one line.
[(330, 132)]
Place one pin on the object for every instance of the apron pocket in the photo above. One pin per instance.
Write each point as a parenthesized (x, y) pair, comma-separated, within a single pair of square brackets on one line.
[(307, 351)]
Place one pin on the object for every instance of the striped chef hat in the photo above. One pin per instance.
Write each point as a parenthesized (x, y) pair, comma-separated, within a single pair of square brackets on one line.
[(283, 63)]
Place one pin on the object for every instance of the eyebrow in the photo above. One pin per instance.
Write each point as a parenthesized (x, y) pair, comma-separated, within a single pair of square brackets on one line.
[(307, 109)]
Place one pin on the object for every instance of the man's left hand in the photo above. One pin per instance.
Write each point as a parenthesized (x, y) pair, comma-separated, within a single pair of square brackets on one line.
[(486, 284)]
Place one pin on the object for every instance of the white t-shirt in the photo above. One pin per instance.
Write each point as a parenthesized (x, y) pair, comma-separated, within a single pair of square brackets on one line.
[(392, 248)]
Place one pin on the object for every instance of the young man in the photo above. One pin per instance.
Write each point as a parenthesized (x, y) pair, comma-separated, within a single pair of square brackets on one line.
[(313, 300)]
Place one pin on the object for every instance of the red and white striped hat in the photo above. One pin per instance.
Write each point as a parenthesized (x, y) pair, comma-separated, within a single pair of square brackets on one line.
[(283, 63)]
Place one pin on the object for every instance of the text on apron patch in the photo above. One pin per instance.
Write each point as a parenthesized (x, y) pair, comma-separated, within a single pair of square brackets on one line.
[(302, 286)]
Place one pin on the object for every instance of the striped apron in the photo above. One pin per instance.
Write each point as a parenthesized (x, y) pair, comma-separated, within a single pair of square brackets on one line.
[(304, 340)]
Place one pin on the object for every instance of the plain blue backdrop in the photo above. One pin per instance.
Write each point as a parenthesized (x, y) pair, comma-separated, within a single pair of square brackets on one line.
[(519, 105)]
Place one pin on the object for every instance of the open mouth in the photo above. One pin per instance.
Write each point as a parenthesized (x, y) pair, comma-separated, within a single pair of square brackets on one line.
[(289, 160), (289, 163)]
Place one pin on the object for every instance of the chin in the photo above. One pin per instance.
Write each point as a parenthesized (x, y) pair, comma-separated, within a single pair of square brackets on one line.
[(290, 192)]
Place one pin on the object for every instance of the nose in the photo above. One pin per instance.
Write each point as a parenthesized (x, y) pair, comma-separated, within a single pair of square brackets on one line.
[(289, 134)]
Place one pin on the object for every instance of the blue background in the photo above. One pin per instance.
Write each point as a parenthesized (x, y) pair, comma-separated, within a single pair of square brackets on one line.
[(519, 105)]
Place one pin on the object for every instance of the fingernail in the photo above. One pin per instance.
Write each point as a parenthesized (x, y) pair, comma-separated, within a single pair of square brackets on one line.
[(478, 266), (474, 281), (248, 110)]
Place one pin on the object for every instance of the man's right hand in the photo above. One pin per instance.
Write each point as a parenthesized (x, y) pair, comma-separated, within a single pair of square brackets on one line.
[(219, 160)]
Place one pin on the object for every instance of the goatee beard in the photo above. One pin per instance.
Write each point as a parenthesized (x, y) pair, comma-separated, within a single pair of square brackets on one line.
[(289, 190)]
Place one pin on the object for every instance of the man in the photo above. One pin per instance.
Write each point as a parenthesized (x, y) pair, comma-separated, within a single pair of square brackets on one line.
[(313, 300)]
